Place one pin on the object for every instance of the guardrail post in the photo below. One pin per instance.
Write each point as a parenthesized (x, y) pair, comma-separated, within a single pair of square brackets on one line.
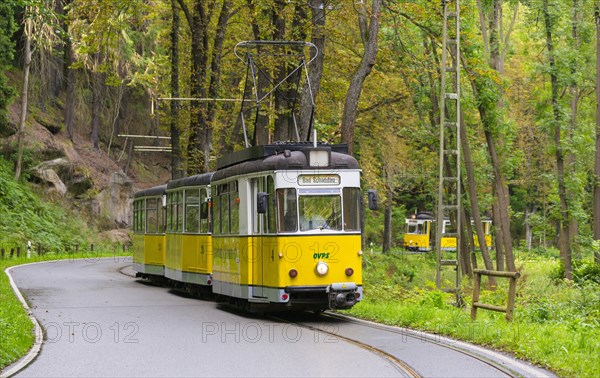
[(512, 290), (476, 289)]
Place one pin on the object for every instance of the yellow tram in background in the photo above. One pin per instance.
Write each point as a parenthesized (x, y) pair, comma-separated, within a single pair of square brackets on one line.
[(421, 229), (149, 231)]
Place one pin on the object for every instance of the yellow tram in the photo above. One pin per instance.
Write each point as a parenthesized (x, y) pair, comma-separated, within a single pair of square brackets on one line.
[(286, 231), (276, 227), (149, 232), (420, 233)]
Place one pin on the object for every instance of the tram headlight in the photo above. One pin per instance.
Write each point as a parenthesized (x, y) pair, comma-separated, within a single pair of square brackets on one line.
[(322, 268)]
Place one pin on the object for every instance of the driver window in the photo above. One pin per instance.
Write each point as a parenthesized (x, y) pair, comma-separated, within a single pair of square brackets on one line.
[(286, 208)]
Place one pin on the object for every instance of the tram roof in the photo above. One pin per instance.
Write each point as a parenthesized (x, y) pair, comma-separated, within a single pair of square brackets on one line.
[(294, 160), (151, 192), (263, 151), (196, 180)]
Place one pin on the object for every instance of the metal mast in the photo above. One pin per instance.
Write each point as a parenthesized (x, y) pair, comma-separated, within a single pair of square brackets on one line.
[(449, 191)]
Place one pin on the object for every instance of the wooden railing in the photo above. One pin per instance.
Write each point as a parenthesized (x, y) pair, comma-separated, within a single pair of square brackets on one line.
[(512, 289)]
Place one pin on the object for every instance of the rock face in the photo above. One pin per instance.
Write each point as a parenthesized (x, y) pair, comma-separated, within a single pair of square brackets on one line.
[(50, 172), (109, 209), (115, 201)]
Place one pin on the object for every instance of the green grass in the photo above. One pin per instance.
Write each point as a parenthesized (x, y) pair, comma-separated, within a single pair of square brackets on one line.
[(16, 329), (556, 324)]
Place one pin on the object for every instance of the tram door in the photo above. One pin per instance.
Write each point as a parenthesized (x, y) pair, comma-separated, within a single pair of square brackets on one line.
[(255, 246)]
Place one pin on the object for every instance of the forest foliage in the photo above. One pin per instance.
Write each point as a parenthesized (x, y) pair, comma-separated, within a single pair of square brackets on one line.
[(528, 94)]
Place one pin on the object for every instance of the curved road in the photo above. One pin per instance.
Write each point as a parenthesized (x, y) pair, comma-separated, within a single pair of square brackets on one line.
[(100, 322)]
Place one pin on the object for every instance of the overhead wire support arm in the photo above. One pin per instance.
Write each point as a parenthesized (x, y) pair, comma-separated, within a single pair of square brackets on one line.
[(260, 74)]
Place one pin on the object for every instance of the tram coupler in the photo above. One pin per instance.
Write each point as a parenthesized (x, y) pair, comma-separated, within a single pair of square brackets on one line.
[(342, 295)]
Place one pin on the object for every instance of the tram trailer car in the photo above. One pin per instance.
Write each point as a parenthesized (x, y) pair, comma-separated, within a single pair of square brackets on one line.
[(149, 232), (188, 261), (286, 231)]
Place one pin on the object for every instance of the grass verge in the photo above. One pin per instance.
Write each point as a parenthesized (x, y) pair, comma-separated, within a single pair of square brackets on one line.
[(556, 324)]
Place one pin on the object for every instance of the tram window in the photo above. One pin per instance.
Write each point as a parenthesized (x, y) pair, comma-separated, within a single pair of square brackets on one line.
[(179, 206), (320, 212), (139, 216), (217, 215), (151, 214), (142, 218), (351, 209), (192, 210), (225, 213), (271, 207), (287, 210), (161, 215), (448, 227), (170, 212), (135, 212), (203, 212), (234, 208)]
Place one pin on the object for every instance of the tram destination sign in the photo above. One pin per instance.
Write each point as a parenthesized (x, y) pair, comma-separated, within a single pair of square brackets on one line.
[(304, 180)]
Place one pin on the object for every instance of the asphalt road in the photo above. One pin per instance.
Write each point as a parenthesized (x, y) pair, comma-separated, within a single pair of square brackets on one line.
[(98, 321)]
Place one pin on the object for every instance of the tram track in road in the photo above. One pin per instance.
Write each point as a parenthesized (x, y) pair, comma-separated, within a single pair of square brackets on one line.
[(503, 364), (402, 367), (416, 353)]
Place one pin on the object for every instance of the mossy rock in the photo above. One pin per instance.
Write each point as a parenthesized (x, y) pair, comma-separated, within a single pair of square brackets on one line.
[(7, 129), (79, 184), (52, 124)]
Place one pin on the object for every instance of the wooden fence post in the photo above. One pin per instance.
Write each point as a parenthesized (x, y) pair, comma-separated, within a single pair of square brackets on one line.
[(512, 290)]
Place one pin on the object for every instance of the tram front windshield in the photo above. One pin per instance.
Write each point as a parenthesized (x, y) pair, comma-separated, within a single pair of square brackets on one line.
[(309, 210)]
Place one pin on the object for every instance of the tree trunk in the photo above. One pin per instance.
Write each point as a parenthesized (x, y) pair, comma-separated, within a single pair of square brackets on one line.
[(176, 169), (473, 197), (528, 229), (466, 245), (69, 74), (370, 43), (70, 90), (96, 100), (498, 236), (215, 79), (564, 237), (198, 23), (387, 227), (597, 156), (25, 94), (261, 131), (315, 69), (501, 216)]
